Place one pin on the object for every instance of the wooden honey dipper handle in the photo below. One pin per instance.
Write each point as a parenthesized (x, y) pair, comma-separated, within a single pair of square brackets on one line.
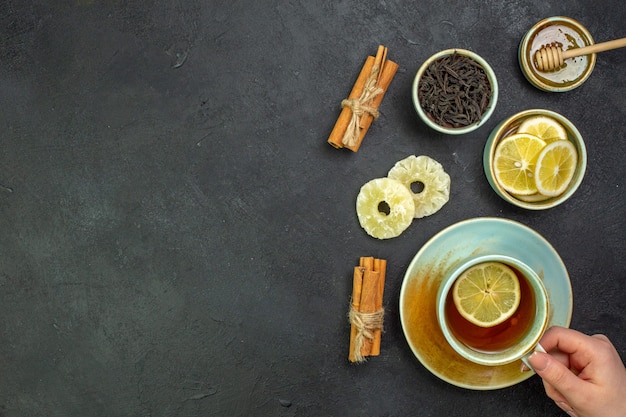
[(592, 49), (551, 57)]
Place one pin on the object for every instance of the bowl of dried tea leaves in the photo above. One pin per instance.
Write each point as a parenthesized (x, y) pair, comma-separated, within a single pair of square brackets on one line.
[(455, 91)]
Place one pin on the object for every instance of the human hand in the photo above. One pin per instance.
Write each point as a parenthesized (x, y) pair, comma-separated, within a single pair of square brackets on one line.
[(583, 374)]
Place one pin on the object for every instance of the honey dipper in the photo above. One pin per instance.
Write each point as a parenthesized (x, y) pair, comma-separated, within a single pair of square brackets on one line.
[(551, 57)]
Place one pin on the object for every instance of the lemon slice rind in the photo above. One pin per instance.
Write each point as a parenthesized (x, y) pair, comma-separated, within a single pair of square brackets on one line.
[(532, 198), (514, 163), (555, 168), (545, 128)]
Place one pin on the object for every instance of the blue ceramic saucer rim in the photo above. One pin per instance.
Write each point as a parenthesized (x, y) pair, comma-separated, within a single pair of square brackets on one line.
[(473, 237)]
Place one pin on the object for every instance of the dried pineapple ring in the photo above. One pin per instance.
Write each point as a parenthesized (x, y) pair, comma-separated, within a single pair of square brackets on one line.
[(425, 170), (385, 208)]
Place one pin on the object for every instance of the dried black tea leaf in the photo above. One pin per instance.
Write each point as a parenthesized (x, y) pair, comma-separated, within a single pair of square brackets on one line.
[(454, 91)]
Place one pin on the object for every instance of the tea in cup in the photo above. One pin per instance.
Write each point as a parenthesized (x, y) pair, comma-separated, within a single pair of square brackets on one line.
[(492, 310)]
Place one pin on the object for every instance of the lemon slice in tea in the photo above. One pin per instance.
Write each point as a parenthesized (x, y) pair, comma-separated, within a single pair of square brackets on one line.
[(514, 163), (385, 208), (487, 294), (544, 127), (555, 167)]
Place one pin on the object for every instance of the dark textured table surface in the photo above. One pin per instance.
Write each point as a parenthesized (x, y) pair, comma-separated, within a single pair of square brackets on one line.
[(178, 237)]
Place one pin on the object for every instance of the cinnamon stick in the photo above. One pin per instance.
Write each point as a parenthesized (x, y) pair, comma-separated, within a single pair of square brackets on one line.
[(387, 74), (367, 308), (357, 285), (383, 70), (379, 60), (380, 266), (367, 262), (336, 135), (368, 303)]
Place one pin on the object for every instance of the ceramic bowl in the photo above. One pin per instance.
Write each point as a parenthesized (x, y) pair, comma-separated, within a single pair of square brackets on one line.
[(491, 76), (525, 342), (508, 127), (570, 34)]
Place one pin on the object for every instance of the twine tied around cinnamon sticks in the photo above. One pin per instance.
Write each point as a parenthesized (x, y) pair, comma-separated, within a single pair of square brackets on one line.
[(365, 324), (366, 309), (361, 107)]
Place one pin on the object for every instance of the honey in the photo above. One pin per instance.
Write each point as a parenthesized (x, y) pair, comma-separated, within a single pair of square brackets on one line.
[(566, 33), (566, 37)]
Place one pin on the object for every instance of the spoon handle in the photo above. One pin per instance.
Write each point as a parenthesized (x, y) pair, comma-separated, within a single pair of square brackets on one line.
[(598, 47)]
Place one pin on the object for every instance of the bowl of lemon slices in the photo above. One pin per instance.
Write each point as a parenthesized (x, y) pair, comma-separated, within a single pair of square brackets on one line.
[(535, 159)]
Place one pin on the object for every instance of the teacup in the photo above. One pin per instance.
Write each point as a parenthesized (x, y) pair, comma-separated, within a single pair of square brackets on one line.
[(516, 338)]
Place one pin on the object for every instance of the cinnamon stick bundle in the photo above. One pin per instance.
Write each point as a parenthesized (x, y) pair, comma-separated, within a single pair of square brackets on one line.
[(361, 107), (366, 310)]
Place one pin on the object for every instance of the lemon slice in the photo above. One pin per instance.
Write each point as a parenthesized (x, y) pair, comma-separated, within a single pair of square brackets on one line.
[(385, 208), (514, 163), (429, 174), (533, 198), (487, 294), (555, 167), (544, 127)]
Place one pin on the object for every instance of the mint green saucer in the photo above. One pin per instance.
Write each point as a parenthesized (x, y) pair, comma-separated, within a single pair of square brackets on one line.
[(446, 250)]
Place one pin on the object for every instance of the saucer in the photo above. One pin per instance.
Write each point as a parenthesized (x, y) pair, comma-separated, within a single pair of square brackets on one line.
[(443, 252)]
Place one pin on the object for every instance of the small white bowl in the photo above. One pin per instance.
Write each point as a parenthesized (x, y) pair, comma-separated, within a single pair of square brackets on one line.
[(491, 76)]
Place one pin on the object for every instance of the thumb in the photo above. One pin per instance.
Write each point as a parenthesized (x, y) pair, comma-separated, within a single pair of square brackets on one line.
[(556, 374)]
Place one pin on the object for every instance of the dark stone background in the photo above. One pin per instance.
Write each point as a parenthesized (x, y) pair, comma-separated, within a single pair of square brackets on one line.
[(177, 237)]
